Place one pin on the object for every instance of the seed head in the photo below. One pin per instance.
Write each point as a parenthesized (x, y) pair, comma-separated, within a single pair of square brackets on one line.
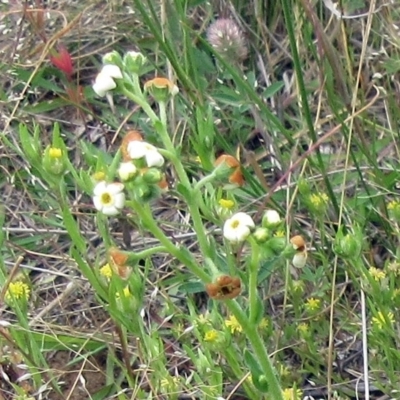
[(227, 39)]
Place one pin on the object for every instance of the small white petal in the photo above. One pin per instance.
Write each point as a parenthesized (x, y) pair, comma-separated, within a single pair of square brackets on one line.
[(112, 71), (119, 201), (138, 149), (154, 159), (100, 188), (300, 259), (103, 84), (115, 188)]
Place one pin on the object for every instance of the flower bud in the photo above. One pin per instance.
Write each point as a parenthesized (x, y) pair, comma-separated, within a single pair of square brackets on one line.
[(300, 259), (62, 60), (349, 245), (53, 161), (112, 58), (127, 171), (152, 175), (271, 219), (261, 235), (277, 244), (228, 165), (162, 89), (134, 62)]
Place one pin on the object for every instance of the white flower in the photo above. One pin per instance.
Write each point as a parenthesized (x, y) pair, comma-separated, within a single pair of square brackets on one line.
[(238, 227), (104, 81), (109, 198), (299, 259), (126, 171), (271, 219), (138, 149)]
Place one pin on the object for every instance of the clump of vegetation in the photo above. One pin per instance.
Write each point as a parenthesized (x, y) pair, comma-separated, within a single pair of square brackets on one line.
[(205, 207)]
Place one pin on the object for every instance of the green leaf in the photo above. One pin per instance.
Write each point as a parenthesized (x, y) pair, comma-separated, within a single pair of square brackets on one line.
[(191, 287)]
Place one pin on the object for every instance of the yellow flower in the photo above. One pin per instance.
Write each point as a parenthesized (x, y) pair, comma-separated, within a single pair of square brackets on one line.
[(226, 203), (99, 176), (126, 292), (312, 304), (394, 268), (264, 323), (393, 205), (17, 290), (202, 319), (211, 336), (318, 199), (280, 234), (55, 152), (170, 383), (381, 320), (284, 371), (396, 293), (377, 274), (106, 271), (298, 286), (292, 394), (303, 328), (233, 324)]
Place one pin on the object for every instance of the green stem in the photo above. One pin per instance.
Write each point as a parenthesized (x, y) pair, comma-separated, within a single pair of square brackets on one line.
[(253, 276), (184, 257), (149, 252), (275, 391)]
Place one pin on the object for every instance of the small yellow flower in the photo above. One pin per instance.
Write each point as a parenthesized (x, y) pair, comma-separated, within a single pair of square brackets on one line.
[(264, 323), (381, 320), (303, 328), (106, 271), (394, 210), (312, 304), (280, 234), (125, 292), (55, 152), (17, 290), (291, 394), (233, 324), (99, 176), (298, 286), (396, 294), (226, 203), (202, 319), (319, 201), (377, 274), (394, 267), (211, 336), (170, 383), (284, 371), (393, 205)]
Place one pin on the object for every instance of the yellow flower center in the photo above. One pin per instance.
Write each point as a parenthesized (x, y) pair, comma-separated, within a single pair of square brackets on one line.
[(55, 152), (234, 224), (106, 199), (228, 204)]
